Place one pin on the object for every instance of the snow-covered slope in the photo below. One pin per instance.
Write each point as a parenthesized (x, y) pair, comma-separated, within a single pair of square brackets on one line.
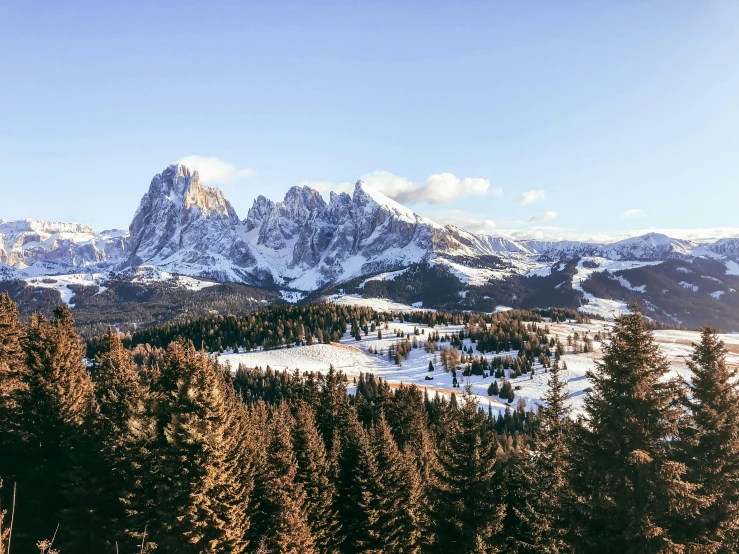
[(726, 247)]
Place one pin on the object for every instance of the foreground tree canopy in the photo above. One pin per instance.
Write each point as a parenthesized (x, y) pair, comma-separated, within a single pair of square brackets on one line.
[(168, 450)]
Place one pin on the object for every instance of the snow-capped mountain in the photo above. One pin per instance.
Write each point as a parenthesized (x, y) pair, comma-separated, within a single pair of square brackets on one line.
[(726, 247), (304, 243), (47, 247), (184, 227)]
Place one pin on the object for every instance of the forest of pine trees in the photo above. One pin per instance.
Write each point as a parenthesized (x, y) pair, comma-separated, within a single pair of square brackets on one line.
[(173, 453)]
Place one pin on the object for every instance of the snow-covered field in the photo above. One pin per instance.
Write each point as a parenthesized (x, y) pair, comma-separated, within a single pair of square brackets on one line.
[(61, 283), (149, 274), (379, 304), (353, 357), (146, 275)]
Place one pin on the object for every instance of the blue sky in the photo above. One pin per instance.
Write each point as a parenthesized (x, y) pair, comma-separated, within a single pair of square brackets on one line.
[(521, 118)]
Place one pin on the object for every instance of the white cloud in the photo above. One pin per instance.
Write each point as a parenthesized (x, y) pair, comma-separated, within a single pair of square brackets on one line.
[(213, 170), (632, 213), (541, 218), (440, 188), (531, 196)]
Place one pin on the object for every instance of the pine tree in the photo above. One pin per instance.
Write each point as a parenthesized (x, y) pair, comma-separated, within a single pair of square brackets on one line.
[(59, 484), (313, 473), (333, 404), (117, 389), (356, 489), (713, 451), (467, 508), (14, 390), (282, 525), (544, 473), (195, 469), (629, 484), (400, 508)]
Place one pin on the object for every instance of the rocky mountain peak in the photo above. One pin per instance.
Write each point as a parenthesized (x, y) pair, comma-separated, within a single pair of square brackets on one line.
[(301, 202), (258, 213), (174, 215)]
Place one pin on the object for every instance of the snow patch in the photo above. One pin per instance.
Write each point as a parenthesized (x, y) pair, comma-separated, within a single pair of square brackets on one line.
[(61, 284), (625, 284), (689, 286), (389, 276), (732, 268), (378, 304), (291, 296)]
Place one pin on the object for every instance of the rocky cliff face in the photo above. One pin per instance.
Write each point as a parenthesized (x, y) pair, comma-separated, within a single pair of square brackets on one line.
[(185, 227)]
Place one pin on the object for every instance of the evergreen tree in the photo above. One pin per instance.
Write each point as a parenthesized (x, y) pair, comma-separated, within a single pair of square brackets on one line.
[(14, 391), (195, 481), (630, 485), (544, 472), (59, 484), (467, 507), (117, 390), (356, 488), (713, 451), (400, 493), (333, 404), (313, 473), (282, 525)]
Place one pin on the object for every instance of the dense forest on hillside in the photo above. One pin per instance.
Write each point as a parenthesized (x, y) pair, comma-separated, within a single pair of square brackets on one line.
[(288, 325), (127, 305), (181, 455)]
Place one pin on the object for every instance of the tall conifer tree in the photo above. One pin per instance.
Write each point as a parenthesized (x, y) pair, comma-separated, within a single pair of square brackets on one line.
[(59, 486), (630, 484), (467, 507), (313, 473), (14, 390), (544, 477), (118, 392), (195, 466), (400, 494), (713, 454), (357, 488), (282, 525)]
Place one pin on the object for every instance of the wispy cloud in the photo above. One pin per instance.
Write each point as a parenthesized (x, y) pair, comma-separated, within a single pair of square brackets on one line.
[(632, 213), (440, 188), (541, 218), (531, 196), (213, 170)]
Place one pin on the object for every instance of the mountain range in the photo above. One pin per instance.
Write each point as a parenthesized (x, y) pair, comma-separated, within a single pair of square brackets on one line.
[(303, 245)]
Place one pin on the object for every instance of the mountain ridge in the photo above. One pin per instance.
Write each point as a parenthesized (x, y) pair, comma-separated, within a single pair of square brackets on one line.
[(304, 243), (181, 224)]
